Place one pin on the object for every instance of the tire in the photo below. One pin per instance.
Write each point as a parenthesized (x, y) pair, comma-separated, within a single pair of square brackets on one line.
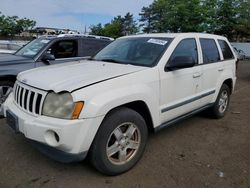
[(113, 137), (6, 88), (222, 102)]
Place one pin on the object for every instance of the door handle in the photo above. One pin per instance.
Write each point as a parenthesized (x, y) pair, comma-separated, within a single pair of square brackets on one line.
[(197, 75), (221, 69)]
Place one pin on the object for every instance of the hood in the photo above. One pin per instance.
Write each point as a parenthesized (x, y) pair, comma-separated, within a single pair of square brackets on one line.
[(6, 59), (74, 75)]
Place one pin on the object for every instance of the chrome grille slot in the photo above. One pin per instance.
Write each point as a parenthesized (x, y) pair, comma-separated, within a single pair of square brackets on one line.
[(15, 91), (28, 98), (21, 97), (38, 103), (31, 101), (17, 97), (25, 99)]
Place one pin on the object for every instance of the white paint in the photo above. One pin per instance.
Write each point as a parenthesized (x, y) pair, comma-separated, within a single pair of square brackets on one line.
[(154, 86)]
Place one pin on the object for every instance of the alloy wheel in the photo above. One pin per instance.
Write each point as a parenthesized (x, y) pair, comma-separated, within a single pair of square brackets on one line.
[(223, 102), (123, 143)]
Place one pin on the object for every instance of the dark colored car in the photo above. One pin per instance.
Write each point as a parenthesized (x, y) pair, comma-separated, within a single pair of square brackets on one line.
[(45, 51)]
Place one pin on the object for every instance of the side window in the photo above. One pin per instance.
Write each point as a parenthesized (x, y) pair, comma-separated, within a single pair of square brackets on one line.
[(91, 47), (186, 47), (209, 51), (64, 49), (226, 51)]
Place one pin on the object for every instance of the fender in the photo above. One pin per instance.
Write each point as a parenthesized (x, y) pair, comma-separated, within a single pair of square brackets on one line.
[(227, 74), (15, 69), (100, 98)]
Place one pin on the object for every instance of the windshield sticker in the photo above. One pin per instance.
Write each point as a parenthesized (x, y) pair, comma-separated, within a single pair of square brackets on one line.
[(158, 41), (44, 41)]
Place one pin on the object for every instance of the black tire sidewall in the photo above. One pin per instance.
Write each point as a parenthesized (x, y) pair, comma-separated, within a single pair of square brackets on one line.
[(98, 149)]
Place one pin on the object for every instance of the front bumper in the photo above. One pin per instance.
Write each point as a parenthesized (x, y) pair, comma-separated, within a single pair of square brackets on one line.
[(55, 137), (58, 155)]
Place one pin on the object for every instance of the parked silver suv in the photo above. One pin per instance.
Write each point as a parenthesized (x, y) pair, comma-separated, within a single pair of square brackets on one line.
[(46, 50)]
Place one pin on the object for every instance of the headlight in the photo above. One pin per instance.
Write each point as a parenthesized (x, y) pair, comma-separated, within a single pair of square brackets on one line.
[(61, 105)]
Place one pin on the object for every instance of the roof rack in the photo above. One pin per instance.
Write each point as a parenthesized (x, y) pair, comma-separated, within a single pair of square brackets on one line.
[(87, 36), (47, 36)]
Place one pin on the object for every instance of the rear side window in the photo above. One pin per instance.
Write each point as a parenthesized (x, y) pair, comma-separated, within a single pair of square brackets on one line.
[(209, 51), (91, 47), (226, 51), (186, 47)]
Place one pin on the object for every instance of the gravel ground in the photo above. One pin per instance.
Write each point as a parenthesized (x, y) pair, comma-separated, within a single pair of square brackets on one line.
[(198, 152)]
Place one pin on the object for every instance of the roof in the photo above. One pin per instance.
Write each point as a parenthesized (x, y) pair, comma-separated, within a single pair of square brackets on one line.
[(174, 35), (77, 36)]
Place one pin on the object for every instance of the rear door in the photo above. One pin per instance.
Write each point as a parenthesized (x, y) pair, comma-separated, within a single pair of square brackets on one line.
[(212, 68)]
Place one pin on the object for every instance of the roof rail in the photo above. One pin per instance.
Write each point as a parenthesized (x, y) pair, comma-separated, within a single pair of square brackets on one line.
[(87, 36), (47, 36)]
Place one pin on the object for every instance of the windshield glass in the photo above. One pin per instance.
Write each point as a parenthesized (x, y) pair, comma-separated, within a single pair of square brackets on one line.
[(33, 48), (142, 51)]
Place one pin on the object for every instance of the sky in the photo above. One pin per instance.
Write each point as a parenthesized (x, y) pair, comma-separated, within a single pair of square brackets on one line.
[(71, 14)]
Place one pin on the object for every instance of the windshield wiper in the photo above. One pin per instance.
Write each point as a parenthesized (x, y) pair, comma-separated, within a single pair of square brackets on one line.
[(111, 60)]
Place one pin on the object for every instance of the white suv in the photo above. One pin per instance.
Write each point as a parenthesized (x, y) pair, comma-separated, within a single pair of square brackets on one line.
[(105, 106)]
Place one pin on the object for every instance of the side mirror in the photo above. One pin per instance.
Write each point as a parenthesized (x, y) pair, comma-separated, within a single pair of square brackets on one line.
[(48, 57), (180, 62)]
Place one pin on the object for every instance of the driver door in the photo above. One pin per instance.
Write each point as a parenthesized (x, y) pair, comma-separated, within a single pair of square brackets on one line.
[(63, 51)]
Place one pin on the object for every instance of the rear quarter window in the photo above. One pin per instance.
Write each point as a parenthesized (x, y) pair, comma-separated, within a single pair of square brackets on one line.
[(210, 51), (226, 51)]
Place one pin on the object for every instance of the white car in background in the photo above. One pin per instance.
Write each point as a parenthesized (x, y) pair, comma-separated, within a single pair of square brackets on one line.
[(240, 53), (9, 48)]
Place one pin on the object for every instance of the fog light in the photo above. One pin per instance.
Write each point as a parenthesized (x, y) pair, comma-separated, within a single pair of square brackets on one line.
[(52, 138)]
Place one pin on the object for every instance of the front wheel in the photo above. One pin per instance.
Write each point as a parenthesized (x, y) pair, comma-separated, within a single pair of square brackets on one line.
[(6, 88), (222, 102), (120, 142)]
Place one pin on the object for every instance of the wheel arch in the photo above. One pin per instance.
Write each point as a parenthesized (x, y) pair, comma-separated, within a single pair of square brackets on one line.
[(229, 83), (140, 107)]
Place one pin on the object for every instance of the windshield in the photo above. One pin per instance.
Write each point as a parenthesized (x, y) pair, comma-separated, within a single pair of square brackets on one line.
[(33, 48), (142, 51)]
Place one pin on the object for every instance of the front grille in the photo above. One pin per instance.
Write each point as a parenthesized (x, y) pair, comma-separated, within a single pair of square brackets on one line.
[(28, 98)]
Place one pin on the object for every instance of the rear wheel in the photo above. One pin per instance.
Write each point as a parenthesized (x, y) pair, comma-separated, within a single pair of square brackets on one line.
[(120, 142), (6, 88), (222, 102)]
